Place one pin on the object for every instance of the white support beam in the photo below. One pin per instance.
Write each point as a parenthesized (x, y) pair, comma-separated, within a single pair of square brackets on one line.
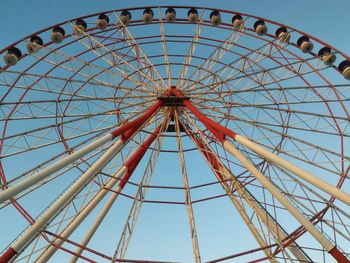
[(325, 243), (280, 236), (37, 177), (61, 202), (312, 179), (188, 199), (135, 209), (49, 252)]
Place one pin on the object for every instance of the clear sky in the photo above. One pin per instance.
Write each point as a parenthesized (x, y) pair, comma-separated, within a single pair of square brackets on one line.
[(325, 19)]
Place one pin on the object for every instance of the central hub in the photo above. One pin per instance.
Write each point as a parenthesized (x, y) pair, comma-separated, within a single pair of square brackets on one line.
[(173, 97), (172, 100)]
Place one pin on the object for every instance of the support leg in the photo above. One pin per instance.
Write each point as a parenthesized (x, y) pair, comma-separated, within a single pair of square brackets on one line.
[(190, 213), (223, 174), (220, 132), (46, 172), (35, 228), (124, 172)]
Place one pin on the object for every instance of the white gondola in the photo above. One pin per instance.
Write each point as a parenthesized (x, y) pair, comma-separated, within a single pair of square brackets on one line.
[(282, 35), (57, 35), (327, 56), (125, 17), (260, 27), (12, 56), (79, 27), (170, 15), (237, 21), (305, 44), (148, 15), (215, 18), (34, 44), (192, 15), (344, 68), (102, 22)]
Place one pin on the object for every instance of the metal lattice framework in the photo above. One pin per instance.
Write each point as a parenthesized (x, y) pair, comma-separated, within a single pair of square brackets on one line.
[(87, 108)]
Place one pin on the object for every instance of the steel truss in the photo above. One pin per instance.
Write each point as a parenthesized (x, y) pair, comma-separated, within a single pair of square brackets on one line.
[(267, 118)]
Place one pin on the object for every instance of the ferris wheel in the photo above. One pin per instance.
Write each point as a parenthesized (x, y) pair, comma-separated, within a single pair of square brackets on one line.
[(110, 115)]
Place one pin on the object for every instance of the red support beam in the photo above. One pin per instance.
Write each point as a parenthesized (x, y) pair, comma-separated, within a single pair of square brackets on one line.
[(127, 131), (135, 159), (131, 127), (220, 132)]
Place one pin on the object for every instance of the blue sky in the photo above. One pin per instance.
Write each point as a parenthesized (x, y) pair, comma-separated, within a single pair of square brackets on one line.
[(322, 19), (325, 19)]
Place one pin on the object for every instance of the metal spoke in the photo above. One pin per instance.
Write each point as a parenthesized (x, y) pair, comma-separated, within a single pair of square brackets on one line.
[(138, 200), (215, 56), (190, 53), (135, 44), (166, 57), (188, 199), (120, 60)]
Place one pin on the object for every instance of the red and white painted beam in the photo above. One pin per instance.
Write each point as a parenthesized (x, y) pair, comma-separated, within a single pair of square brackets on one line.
[(222, 174), (312, 179), (61, 202), (125, 131), (220, 132), (328, 246), (124, 174), (131, 165)]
